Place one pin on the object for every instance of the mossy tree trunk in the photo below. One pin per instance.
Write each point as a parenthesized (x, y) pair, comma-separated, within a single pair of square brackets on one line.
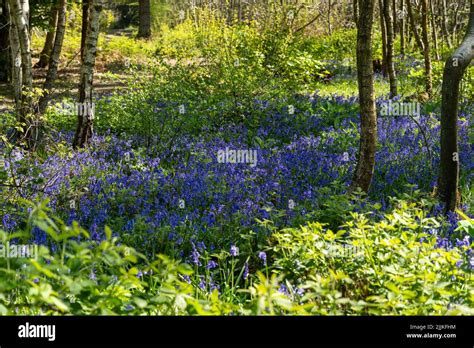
[(454, 70), (365, 76)]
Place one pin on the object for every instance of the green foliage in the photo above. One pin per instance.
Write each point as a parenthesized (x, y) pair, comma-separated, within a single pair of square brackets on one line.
[(365, 267), (336, 47), (376, 268)]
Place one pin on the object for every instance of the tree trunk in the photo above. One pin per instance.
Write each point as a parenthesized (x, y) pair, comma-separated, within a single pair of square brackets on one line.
[(86, 4), (434, 32), (19, 10), (455, 22), (49, 42), (454, 70), (15, 60), (368, 116), (20, 14), (402, 27), (395, 18), (384, 39), (144, 28), (55, 55), (85, 115), (445, 29), (355, 7), (390, 42), (426, 47), (329, 17), (5, 72), (411, 17)]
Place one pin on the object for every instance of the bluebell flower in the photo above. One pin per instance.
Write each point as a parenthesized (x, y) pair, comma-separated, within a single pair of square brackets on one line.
[(263, 256), (283, 289), (246, 270), (195, 257), (211, 264), (202, 283)]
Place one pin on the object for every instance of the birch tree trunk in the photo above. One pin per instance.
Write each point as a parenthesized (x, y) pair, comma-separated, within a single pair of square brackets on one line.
[(20, 13), (15, 54), (368, 117), (454, 70), (55, 55), (85, 115), (19, 10)]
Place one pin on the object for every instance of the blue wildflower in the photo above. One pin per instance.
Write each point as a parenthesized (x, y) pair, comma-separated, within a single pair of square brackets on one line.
[(211, 264), (263, 256)]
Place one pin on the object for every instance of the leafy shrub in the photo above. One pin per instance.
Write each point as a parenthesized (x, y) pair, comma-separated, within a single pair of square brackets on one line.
[(394, 266)]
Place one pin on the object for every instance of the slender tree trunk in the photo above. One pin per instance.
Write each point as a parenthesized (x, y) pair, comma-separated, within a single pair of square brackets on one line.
[(5, 72), (239, 11), (86, 4), (456, 22), (434, 32), (411, 17), (384, 39), (426, 47), (454, 70), (355, 7), (49, 42), (368, 117), (19, 10), (396, 21), (55, 55), (85, 117), (390, 43), (15, 54), (402, 27), (444, 22), (144, 28), (330, 17)]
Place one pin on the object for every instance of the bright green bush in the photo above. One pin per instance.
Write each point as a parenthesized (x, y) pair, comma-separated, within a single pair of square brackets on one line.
[(393, 266)]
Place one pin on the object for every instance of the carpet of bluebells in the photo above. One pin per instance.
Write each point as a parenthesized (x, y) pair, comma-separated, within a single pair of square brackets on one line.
[(192, 204)]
